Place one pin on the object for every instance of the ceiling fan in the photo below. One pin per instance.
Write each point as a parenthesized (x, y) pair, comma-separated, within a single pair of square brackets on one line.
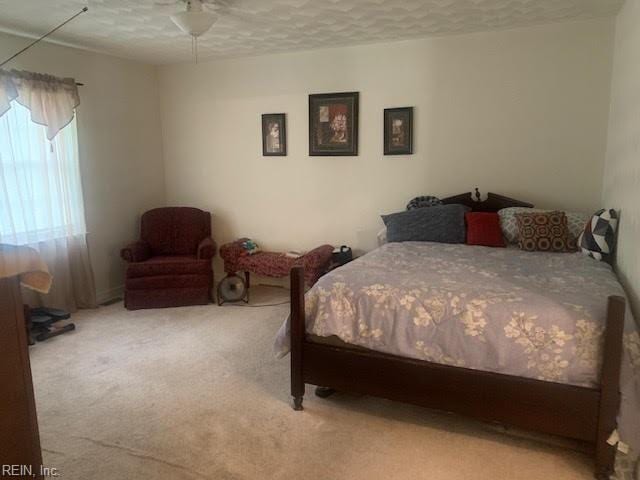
[(197, 17)]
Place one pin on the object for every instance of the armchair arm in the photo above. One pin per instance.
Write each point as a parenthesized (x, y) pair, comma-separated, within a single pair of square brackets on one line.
[(207, 249), (136, 252)]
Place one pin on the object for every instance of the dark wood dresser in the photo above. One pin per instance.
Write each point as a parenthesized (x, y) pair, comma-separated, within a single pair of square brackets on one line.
[(19, 438)]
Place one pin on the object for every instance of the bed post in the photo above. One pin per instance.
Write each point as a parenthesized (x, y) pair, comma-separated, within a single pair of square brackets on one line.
[(609, 386), (297, 333)]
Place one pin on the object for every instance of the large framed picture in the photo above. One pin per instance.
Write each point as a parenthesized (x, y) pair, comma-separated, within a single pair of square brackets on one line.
[(333, 124), (398, 131), (274, 134)]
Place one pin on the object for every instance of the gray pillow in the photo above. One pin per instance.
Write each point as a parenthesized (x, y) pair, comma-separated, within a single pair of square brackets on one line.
[(443, 223)]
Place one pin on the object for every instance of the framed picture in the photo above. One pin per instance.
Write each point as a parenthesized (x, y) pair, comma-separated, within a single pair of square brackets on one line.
[(333, 124), (398, 131), (274, 134)]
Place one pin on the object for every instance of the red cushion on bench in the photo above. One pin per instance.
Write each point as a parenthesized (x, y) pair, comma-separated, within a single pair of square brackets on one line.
[(275, 264)]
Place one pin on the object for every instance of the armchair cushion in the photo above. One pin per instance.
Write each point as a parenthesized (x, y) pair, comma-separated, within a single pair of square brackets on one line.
[(158, 282), (169, 265), (206, 249), (136, 252)]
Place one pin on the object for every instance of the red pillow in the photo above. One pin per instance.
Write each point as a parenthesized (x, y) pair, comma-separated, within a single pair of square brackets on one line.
[(483, 228)]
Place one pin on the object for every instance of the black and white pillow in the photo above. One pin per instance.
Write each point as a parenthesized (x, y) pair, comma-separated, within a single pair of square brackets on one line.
[(598, 238), (424, 201)]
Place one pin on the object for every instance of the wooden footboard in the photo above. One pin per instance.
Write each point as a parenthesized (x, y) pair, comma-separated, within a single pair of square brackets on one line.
[(585, 414), (610, 386)]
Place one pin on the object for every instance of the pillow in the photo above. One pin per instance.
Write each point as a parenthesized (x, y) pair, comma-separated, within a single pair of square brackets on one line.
[(483, 228), (543, 232), (424, 201), (509, 225), (598, 238), (443, 223)]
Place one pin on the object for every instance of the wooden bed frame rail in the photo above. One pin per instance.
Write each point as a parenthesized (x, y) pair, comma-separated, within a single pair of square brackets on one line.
[(580, 413)]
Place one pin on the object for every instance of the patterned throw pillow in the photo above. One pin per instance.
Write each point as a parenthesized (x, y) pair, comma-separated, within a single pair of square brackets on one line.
[(424, 201), (599, 235), (543, 232), (509, 225)]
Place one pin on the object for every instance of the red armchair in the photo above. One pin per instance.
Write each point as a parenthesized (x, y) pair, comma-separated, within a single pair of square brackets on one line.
[(170, 266)]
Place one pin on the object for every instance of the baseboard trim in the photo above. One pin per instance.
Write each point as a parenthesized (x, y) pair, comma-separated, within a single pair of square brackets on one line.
[(107, 296), (117, 293)]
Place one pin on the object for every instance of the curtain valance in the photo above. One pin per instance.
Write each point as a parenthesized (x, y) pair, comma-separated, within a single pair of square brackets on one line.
[(51, 100)]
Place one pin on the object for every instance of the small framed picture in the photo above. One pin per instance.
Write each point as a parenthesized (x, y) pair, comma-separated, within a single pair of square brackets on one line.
[(274, 134), (333, 124), (398, 131)]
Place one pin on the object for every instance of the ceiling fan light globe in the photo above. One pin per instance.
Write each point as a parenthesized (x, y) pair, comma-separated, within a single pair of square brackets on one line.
[(194, 23)]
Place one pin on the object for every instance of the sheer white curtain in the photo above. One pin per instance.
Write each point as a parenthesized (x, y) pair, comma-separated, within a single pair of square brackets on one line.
[(41, 194), (41, 202)]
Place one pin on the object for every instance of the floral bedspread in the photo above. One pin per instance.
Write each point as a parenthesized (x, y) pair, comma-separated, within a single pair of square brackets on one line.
[(529, 314)]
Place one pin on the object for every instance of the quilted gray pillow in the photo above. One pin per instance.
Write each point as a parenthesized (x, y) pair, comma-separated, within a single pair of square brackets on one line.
[(443, 223), (509, 225)]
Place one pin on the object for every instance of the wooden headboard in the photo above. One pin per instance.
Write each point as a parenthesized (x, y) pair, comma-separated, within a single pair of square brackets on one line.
[(493, 203)]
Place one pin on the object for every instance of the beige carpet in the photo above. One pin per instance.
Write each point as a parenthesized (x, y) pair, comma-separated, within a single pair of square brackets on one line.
[(195, 393)]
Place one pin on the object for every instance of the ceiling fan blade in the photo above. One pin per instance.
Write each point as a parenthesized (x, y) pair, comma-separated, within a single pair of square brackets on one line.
[(226, 11), (224, 7)]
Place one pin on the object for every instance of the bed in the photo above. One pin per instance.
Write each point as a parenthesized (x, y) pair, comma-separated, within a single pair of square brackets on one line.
[(531, 340)]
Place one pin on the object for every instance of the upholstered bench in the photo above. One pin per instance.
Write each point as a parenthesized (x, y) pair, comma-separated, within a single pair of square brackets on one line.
[(274, 264)]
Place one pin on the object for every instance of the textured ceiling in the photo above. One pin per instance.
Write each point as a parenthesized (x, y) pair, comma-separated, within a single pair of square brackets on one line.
[(142, 30)]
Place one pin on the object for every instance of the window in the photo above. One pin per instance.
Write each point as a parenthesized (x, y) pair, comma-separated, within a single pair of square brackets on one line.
[(40, 189)]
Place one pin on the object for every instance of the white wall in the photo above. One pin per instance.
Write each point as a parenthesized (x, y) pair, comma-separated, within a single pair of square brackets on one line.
[(519, 112), (119, 138), (622, 169)]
